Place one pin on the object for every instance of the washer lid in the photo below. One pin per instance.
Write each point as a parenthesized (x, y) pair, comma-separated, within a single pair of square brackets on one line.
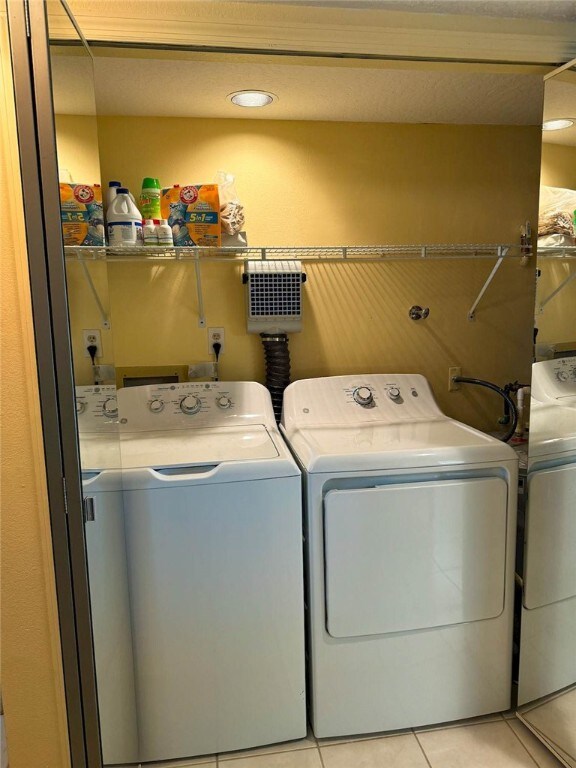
[(552, 428), (197, 446), (395, 446), (132, 450), (99, 451)]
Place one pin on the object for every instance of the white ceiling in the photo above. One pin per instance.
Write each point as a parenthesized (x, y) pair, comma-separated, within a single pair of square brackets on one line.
[(328, 89), (560, 101), (179, 88)]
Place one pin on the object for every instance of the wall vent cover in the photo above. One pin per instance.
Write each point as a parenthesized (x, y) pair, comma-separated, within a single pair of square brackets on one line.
[(274, 295)]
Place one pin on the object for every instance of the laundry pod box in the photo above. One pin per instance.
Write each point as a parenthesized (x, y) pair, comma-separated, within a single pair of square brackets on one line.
[(193, 213), (82, 214)]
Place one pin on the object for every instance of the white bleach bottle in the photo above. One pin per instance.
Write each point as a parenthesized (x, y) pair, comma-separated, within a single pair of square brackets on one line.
[(124, 220)]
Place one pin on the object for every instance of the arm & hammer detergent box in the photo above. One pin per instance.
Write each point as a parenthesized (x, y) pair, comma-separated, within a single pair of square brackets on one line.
[(82, 214), (193, 212)]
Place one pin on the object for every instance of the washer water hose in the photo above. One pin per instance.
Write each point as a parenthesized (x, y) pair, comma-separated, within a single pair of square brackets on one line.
[(507, 399), (277, 368)]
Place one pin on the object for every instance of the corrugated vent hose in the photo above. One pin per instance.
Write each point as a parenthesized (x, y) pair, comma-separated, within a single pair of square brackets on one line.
[(507, 399), (277, 368)]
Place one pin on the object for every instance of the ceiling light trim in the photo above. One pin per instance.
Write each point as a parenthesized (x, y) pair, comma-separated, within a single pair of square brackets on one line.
[(558, 124), (252, 98)]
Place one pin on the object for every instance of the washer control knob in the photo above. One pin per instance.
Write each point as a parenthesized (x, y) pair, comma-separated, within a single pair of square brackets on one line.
[(80, 406), (363, 396), (190, 404), (223, 401), (394, 393), (156, 405), (562, 375), (110, 408)]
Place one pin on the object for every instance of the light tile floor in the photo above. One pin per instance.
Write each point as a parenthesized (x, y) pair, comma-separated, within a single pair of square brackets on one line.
[(495, 741)]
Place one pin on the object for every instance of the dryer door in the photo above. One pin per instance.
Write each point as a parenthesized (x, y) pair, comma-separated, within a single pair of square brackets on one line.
[(410, 556), (550, 552)]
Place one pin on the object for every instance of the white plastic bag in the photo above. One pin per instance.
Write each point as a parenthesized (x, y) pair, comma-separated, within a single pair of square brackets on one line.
[(231, 209), (556, 212)]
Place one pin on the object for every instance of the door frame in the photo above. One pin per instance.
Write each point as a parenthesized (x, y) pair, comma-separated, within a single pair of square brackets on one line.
[(29, 46)]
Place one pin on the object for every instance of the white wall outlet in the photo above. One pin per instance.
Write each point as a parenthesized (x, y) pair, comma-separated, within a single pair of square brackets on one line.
[(453, 371), (215, 336), (92, 337)]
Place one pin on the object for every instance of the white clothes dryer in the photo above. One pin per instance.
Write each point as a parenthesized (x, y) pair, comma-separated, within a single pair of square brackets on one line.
[(410, 532), (99, 442), (548, 622), (213, 520)]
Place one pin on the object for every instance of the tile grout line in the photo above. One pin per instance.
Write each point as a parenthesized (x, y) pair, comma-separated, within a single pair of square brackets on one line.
[(223, 760), (421, 748), (453, 726), (498, 717), (530, 755)]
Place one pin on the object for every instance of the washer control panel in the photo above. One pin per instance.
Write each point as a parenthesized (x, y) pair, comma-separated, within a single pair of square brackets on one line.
[(348, 400), (97, 408), (194, 404), (554, 379)]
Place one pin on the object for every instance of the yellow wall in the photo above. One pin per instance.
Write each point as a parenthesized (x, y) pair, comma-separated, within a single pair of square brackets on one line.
[(558, 166), (315, 183), (77, 144), (32, 686), (557, 323)]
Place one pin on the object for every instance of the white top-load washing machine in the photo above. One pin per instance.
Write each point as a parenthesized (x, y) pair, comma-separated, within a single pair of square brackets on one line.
[(410, 531), (98, 430), (212, 511), (548, 628)]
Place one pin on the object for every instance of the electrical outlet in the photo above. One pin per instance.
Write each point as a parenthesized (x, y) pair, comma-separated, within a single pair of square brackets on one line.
[(453, 371), (92, 337), (215, 336)]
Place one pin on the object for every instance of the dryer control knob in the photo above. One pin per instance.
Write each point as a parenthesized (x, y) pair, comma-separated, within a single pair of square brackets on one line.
[(363, 396), (190, 404), (394, 393), (110, 408), (156, 406), (80, 406), (562, 375), (223, 402)]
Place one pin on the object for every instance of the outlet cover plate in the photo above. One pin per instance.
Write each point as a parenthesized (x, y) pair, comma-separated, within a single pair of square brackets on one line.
[(92, 336)]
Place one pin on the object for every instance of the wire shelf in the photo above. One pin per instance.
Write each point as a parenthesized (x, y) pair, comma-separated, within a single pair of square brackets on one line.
[(327, 254), (556, 251), (310, 255)]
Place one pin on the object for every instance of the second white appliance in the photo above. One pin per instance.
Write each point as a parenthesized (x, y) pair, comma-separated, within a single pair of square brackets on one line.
[(211, 512), (547, 642), (410, 530)]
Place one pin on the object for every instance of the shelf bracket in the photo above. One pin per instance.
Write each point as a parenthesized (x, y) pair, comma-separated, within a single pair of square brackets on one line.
[(201, 313), (104, 317), (556, 291), (502, 251)]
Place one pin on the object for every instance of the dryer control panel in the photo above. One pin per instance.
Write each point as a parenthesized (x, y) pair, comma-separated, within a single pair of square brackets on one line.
[(194, 404), (97, 408), (369, 398), (554, 380)]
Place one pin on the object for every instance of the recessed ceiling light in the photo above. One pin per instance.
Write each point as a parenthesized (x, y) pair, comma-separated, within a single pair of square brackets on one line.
[(251, 98), (557, 125)]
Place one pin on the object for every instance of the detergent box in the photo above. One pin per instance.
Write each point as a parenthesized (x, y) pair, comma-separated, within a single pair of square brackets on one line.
[(193, 212), (82, 214)]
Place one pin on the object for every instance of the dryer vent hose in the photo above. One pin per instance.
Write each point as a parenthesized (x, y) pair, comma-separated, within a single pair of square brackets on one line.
[(507, 399), (277, 368)]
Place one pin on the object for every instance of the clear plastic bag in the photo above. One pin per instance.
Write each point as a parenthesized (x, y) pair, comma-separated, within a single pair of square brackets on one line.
[(556, 212), (231, 209)]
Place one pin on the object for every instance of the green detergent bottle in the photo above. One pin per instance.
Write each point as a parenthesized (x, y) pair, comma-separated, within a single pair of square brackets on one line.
[(150, 198)]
